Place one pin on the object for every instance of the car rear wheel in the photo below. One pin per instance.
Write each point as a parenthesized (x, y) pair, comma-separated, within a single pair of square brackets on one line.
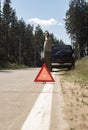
[(70, 67)]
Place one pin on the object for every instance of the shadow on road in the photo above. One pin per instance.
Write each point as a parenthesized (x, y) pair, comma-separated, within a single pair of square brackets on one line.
[(60, 71), (5, 71)]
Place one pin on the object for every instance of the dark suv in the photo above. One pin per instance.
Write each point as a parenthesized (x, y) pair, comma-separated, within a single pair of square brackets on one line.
[(62, 56)]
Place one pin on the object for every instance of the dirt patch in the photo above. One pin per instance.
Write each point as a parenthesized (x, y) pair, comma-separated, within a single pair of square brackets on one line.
[(76, 104)]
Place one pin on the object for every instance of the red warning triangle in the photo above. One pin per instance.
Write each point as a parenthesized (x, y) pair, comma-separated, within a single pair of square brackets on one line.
[(44, 75)]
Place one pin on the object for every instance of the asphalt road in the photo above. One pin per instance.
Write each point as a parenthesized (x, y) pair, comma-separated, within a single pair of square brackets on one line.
[(18, 95)]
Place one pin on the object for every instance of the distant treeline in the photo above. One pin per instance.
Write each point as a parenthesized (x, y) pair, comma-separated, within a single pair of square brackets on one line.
[(20, 43)]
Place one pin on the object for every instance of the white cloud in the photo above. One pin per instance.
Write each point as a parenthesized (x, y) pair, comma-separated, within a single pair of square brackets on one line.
[(60, 24), (49, 22)]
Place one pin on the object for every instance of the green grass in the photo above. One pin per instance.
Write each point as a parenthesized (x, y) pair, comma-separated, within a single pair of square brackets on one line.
[(13, 66), (80, 73)]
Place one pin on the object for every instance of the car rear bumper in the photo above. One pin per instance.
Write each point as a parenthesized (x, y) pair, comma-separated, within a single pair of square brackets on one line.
[(61, 65)]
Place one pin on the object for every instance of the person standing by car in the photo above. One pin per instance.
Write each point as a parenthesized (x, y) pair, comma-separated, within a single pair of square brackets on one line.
[(47, 49)]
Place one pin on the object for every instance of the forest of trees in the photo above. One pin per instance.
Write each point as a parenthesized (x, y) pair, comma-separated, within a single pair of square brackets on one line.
[(76, 23), (19, 43)]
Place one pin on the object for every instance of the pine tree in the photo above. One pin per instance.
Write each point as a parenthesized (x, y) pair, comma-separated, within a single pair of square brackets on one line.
[(75, 24), (6, 24)]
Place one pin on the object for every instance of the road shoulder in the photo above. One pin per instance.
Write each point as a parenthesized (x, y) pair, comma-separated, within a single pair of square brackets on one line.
[(58, 121)]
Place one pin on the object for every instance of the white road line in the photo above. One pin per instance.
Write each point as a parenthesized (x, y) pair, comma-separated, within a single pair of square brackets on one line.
[(39, 117)]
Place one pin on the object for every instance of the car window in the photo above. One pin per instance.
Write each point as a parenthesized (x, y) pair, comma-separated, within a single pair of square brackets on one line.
[(61, 48)]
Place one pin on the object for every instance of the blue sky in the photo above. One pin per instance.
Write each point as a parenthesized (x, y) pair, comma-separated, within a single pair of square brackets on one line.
[(48, 13)]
